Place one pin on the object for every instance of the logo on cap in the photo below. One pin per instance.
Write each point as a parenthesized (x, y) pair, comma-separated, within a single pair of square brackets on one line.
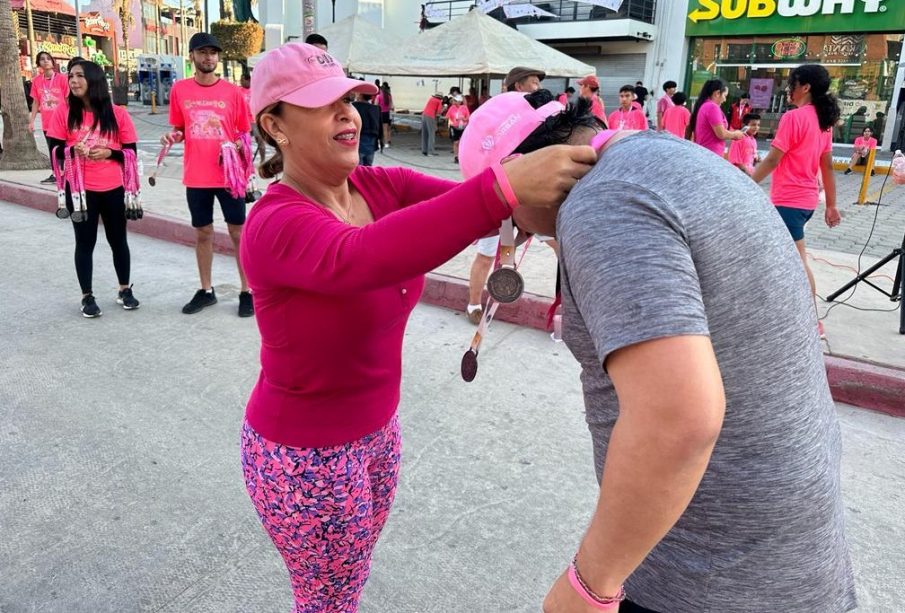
[(487, 143), (322, 59)]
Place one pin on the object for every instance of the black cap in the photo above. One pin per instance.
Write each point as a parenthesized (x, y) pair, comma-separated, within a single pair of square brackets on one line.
[(203, 39)]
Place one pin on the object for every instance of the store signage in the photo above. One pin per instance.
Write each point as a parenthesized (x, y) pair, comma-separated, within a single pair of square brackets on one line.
[(787, 48), (742, 17), (94, 23), (60, 50)]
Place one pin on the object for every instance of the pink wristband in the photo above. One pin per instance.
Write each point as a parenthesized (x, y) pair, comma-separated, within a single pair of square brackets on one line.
[(608, 604), (505, 187)]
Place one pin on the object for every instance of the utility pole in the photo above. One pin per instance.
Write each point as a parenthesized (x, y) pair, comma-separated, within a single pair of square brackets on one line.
[(182, 30), (31, 30), (78, 27)]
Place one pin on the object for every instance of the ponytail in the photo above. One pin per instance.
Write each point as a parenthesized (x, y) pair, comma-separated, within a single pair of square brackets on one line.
[(825, 103), (707, 90)]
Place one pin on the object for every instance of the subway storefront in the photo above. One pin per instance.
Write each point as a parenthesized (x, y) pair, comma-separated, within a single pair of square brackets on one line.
[(753, 45)]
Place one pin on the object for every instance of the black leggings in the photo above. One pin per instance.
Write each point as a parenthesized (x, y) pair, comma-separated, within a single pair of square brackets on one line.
[(111, 207)]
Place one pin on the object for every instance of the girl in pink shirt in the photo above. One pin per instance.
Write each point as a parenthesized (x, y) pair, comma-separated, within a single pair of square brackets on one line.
[(457, 115), (385, 102), (863, 146), (803, 147), (708, 121), (95, 132), (336, 254)]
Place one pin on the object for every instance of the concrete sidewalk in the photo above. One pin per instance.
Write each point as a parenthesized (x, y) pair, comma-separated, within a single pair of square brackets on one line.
[(876, 379), (122, 490)]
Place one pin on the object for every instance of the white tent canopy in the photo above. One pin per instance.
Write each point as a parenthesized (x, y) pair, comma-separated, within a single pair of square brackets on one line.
[(471, 44), (353, 40)]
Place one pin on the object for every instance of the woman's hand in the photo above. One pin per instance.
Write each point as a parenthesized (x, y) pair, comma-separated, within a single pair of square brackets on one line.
[(99, 153), (562, 598), (171, 138), (543, 178), (81, 149)]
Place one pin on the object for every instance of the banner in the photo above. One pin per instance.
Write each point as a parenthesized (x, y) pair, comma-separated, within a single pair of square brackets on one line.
[(613, 5), (514, 11), (761, 92), (485, 6)]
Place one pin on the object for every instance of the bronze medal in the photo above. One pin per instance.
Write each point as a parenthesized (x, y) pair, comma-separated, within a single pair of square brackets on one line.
[(469, 365), (505, 285)]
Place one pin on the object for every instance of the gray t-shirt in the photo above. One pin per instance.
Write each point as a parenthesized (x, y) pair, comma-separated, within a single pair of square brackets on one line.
[(663, 238)]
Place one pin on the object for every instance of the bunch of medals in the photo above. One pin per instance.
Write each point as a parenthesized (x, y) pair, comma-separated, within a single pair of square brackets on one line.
[(73, 176), (238, 166), (132, 185), (505, 285)]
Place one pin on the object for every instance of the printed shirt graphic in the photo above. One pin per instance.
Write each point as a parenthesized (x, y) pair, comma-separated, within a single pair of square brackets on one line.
[(742, 153), (49, 94), (207, 116), (100, 175)]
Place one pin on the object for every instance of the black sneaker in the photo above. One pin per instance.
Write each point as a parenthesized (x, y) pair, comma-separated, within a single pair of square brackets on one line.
[(200, 300), (89, 307), (246, 304), (126, 299), (848, 171), (50, 179)]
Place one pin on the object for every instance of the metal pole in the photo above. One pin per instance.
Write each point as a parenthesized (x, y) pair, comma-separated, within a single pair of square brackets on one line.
[(182, 31), (207, 25), (334, 10), (78, 27)]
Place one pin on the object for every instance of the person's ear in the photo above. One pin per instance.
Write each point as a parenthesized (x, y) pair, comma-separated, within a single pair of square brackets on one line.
[(271, 124)]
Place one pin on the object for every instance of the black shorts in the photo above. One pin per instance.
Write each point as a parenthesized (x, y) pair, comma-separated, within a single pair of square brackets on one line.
[(201, 206), (385, 117), (455, 134)]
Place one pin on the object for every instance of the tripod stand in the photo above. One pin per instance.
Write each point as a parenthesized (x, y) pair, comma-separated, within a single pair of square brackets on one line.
[(898, 287)]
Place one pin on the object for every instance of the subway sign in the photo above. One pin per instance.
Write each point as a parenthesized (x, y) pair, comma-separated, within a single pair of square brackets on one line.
[(746, 17)]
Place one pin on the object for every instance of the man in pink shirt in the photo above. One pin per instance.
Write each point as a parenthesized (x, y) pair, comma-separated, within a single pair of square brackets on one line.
[(743, 153), (665, 102), (863, 146), (429, 123), (207, 113), (589, 87), (627, 117), (677, 117)]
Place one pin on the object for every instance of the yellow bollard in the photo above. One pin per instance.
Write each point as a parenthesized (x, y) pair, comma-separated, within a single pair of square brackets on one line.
[(153, 103), (865, 182)]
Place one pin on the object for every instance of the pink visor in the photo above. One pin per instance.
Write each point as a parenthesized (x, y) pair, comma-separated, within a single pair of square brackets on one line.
[(497, 128), (303, 75)]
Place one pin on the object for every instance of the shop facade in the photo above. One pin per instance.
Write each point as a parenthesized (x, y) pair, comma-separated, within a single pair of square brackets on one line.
[(754, 45)]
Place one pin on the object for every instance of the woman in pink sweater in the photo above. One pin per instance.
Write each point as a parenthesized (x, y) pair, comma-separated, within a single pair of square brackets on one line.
[(336, 254)]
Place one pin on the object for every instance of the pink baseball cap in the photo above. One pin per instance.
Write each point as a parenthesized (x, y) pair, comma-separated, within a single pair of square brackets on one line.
[(303, 75), (497, 128), (591, 81)]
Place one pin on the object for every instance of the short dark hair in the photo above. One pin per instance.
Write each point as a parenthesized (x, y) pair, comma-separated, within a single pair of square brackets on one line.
[(679, 98), (246, 75), (627, 88), (570, 90), (366, 97), (72, 62), (316, 39), (638, 83), (744, 95), (749, 117), (669, 85)]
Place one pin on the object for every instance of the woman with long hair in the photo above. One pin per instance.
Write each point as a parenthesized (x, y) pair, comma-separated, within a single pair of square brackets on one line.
[(385, 102), (49, 90), (96, 140), (802, 148), (708, 120)]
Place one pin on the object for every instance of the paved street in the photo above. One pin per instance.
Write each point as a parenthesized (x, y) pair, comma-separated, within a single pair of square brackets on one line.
[(122, 491)]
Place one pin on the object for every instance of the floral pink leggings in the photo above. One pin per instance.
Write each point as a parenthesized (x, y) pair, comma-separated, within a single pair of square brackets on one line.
[(324, 508)]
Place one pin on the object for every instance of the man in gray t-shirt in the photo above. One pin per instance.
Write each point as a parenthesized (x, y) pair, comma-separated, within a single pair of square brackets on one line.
[(715, 435)]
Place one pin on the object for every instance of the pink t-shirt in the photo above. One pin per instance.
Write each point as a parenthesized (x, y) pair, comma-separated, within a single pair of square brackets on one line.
[(563, 99), (803, 143), (458, 115), (742, 153), (332, 300), (868, 143), (709, 115), (676, 120), (48, 94), (633, 119), (597, 108), (100, 175), (433, 106), (664, 104), (246, 95), (208, 116), (384, 102)]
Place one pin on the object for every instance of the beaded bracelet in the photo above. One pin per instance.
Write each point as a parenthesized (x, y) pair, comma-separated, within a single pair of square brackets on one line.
[(601, 603)]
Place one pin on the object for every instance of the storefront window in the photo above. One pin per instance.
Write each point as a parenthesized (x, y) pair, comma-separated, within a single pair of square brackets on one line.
[(862, 68)]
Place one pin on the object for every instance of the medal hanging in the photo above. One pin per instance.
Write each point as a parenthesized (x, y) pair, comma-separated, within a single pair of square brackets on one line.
[(505, 284), (62, 212), (132, 185)]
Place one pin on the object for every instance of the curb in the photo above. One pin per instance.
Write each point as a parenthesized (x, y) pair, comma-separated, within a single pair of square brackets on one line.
[(869, 386)]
